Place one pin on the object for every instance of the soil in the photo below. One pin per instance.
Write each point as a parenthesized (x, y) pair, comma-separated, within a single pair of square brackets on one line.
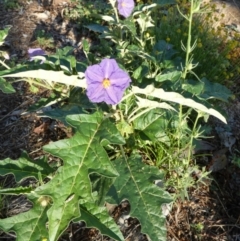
[(212, 212)]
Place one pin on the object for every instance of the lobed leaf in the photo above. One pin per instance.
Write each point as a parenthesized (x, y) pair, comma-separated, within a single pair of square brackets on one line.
[(16, 190), (135, 183), (98, 217), (24, 167), (82, 155), (30, 225)]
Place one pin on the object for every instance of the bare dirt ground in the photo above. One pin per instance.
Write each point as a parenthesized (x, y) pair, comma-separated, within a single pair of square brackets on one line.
[(212, 212)]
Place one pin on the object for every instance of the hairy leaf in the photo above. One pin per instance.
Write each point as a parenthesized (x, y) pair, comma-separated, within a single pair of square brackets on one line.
[(30, 225), (193, 86), (215, 91), (177, 98), (135, 183), (144, 103), (16, 190), (50, 75), (173, 76), (6, 87), (24, 167), (82, 155), (99, 218)]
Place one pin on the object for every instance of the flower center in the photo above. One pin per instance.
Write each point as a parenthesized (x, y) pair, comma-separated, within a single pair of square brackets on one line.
[(106, 83), (123, 4)]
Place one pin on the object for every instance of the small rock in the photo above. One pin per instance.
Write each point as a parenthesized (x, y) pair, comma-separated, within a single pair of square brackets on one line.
[(43, 15)]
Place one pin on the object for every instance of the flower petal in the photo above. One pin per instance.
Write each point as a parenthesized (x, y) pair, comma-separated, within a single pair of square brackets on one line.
[(121, 79), (108, 66), (125, 7), (35, 52), (94, 73), (118, 79), (96, 93), (113, 95)]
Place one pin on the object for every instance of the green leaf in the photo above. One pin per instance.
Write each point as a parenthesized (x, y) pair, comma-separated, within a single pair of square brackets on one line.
[(135, 183), (164, 2), (130, 24), (177, 98), (165, 53), (30, 225), (44, 102), (154, 124), (144, 22), (99, 218), (193, 86), (106, 130), (3, 35), (97, 28), (60, 114), (16, 190), (24, 167), (6, 87), (137, 72), (100, 185), (82, 155), (215, 91), (86, 46), (173, 76)]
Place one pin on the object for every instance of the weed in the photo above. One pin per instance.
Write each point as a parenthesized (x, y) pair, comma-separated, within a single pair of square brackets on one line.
[(44, 39), (10, 4), (213, 46)]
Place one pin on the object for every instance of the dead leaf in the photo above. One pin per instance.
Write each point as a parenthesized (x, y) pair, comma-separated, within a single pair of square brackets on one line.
[(42, 128)]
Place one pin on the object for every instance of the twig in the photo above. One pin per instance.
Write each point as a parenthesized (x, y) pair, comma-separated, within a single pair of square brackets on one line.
[(225, 225), (223, 206), (132, 231), (170, 231)]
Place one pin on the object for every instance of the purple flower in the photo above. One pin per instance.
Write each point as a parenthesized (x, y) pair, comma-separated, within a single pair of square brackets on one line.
[(106, 82), (125, 7), (35, 52)]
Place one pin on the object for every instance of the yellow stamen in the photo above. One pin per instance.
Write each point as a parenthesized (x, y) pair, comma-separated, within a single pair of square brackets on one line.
[(106, 83), (123, 4)]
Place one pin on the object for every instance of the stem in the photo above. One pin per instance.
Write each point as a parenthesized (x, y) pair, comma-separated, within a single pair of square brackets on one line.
[(180, 127), (116, 13), (188, 48), (2, 63), (191, 140), (123, 153)]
